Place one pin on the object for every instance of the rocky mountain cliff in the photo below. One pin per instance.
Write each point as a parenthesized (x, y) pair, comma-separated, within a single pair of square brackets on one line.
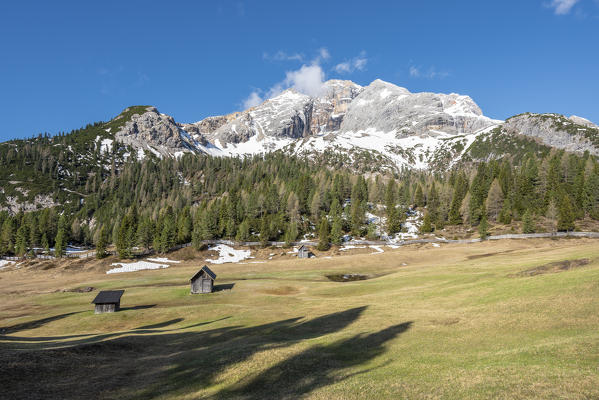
[(573, 134), (377, 127)]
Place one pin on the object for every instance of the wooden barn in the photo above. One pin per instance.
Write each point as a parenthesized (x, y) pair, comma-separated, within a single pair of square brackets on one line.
[(108, 301), (304, 252), (203, 281)]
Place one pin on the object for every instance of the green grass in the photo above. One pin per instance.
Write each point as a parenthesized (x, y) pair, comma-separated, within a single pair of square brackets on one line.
[(444, 326)]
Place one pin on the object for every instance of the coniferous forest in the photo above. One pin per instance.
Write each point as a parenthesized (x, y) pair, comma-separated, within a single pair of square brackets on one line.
[(102, 197)]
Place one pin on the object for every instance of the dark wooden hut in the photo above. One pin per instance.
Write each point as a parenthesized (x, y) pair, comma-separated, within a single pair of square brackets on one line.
[(203, 281), (304, 252), (108, 301)]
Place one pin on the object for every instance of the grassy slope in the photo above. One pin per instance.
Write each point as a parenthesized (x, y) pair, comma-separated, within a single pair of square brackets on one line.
[(452, 323)]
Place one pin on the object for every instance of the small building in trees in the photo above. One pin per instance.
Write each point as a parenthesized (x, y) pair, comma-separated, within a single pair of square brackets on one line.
[(108, 301), (203, 281), (304, 252)]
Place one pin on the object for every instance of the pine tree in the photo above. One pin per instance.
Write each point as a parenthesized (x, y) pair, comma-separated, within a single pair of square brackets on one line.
[(335, 208), (60, 243), (505, 216), (426, 224), (231, 228), (357, 218), (418, 197), (7, 236), (101, 243), (145, 233), (291, 233), (34, 232), (168, 236), (337, 231), (528, 225), (243, 233), (45, 243), (372, 232), (315, 206), (393, 220), (566, 217), (21, 241), (125, 237), (184, 226), (197, 235), (455, 218), (323, 235), (483, 226), (264, 231)]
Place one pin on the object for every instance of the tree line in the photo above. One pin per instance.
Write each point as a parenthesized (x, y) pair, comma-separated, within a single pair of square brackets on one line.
[(159, 203)]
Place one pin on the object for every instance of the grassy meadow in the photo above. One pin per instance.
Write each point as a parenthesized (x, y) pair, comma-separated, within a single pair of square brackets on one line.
[(512, 319)]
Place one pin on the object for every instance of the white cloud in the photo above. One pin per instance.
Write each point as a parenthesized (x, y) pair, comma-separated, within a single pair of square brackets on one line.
[(414, 72), (309, 79), (430, 73), (562, 7), (343, 68), (252, 100), (324, 53), (360, 63), (355, 64), (283, 56)]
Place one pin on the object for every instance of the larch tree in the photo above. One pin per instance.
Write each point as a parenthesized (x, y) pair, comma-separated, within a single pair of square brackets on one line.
[(495, 200)]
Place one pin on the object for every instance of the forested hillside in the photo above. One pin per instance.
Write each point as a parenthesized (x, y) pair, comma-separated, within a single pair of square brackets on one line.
[(99, 194)]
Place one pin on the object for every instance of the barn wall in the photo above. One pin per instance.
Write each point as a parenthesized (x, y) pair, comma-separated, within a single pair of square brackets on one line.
[(105, 308), (198, 286), (207, 286), (195, 286)]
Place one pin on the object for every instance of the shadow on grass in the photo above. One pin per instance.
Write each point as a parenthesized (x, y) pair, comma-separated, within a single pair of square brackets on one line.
[(148, 363), (223, 286), (142, 307), (161, 324), (318, 366), (34, 324)]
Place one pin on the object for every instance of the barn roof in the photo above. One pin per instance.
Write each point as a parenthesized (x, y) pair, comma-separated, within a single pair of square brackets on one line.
[(205, 269), (108, 296)]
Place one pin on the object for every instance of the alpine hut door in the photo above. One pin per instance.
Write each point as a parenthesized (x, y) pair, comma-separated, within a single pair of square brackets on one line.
[(206, 283)]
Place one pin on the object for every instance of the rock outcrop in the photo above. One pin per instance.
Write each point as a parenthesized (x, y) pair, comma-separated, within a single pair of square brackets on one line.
[(555, 130), (155, 132), (582, 121), (386, 107)]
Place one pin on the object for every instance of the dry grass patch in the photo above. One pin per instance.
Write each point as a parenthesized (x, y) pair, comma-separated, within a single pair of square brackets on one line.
[(282, 291), (554, 267), (449, 324)]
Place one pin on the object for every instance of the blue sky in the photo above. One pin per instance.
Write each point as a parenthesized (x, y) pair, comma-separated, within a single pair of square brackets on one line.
[(67, 63)]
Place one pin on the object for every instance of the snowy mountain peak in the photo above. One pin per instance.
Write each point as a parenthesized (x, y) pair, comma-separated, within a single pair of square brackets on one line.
[(381, 123)]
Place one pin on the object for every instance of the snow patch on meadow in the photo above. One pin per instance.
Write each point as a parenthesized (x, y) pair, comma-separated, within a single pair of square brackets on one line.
[(5, 263), (350, 246), (135, 266), (378, 249), (227, 254), (163, 260)]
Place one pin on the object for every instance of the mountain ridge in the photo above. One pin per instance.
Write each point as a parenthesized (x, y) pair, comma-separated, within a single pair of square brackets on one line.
[(381, 121)]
